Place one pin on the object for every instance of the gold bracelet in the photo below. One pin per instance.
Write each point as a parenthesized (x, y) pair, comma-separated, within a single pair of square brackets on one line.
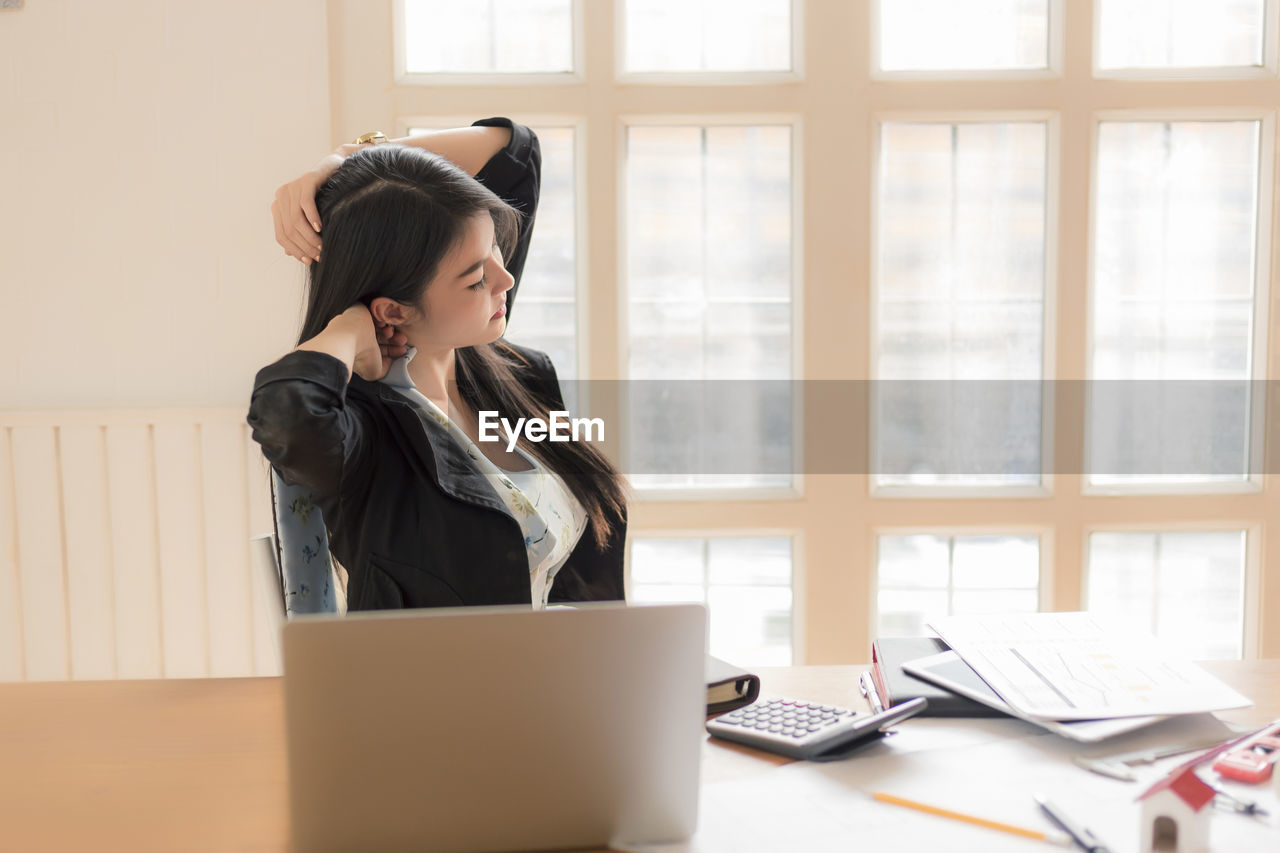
[(372, 138)]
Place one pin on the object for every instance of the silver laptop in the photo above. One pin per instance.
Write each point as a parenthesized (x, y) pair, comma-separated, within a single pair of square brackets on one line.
[(478, 729)]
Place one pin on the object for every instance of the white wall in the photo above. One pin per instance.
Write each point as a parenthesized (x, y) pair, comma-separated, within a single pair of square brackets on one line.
[(140, 143), (140, 289)]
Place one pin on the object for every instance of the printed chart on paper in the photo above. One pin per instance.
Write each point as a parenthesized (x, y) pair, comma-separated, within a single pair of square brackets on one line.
[(1069, 666)]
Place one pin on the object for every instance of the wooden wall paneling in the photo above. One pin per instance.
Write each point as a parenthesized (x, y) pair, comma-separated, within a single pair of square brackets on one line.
[(40, 552), (87, 523), (266, 651), (226, 524), (12, 664), (180, 531), (134, 556)]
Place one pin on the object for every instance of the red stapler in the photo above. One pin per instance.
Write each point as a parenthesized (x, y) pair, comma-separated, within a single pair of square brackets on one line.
[(1251, 762)]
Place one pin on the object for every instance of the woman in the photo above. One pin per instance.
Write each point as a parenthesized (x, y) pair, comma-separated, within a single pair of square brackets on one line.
[(376, 410)]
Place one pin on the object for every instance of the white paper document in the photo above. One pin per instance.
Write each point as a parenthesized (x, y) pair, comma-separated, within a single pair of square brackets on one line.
[(1070, 666), (829, 806)]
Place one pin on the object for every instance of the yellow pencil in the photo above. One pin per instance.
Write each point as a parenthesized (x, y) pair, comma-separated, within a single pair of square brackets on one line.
[(1051, 837)]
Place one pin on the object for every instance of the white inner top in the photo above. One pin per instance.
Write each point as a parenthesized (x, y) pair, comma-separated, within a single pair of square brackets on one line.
[(549, 516)]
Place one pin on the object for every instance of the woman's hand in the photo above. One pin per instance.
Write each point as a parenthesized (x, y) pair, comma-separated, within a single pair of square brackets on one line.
[(366, 346), (392, 343), (294, 210), (377, 344)]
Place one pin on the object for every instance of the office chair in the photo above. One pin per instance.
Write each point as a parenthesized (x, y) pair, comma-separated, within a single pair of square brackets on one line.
[(307, 572)]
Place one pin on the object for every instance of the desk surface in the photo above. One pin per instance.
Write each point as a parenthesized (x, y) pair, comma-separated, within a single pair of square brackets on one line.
[(200, 764)]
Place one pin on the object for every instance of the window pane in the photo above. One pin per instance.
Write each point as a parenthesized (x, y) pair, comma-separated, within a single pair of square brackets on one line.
[(708, 35), (994, 601), (905, 613), (914, 562), (960, 281), (1180, 33), (922, 577), (1187, 588), (1176, 248), (751, 624), (760, 562), (956, 35), (745, 582), (488, 36), (667, 561), (709, 276), (991, 562)]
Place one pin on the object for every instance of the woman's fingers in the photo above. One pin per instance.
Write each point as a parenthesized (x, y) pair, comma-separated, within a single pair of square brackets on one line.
[(297, 220), (301, 195), (391, 341), (286, 235), (306, 238), (309, 210)]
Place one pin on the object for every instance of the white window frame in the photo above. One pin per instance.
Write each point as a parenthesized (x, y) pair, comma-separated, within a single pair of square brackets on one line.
[(1050, 118), (836, 98), (1250, 587), (704, 120), (708, 78), (1044, 542), (1253, 483), (1268, 69), (1053, 56), (403, 77), (796, 538)]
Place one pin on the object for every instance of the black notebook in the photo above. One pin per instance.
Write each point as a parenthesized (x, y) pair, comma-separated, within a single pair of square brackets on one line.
[(729, 687), (888, 654)]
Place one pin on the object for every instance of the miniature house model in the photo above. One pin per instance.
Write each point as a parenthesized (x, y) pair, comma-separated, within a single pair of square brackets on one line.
[(1174, 818)]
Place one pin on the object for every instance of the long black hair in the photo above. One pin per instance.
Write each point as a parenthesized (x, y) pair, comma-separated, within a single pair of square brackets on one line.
[(391, 214)]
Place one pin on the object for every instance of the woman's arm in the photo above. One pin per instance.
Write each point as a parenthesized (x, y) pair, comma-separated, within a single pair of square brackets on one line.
[(297, 222), (299, 412)]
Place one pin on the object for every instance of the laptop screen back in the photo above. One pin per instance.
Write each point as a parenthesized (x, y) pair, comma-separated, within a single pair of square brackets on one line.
[(494, 728)]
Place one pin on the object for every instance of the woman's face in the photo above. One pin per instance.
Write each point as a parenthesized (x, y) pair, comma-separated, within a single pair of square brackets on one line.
[(465, 305)]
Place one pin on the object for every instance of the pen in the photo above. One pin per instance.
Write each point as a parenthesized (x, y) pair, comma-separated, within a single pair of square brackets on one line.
[(1051, 837), (1080, 834), (868, 687)]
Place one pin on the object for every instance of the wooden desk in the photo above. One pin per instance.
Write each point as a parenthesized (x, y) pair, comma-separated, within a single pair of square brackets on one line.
[(200, 764)]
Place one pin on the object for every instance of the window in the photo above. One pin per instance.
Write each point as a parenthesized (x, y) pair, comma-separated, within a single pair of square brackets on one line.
[(970, 302), (960, 306), (926, 576), (1174, 299), (745, 583), (708, 236), (1187, 588), (485, 36), (957, 35), (1167, 34), (707, 35)]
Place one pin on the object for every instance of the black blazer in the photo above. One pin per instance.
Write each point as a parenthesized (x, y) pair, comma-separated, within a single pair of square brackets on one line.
[(409, 516)]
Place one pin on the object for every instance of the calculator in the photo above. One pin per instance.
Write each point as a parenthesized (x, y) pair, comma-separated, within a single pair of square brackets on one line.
[(808, 730)]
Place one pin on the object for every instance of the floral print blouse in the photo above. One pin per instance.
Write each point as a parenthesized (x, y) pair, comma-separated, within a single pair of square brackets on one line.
[(550, 517)]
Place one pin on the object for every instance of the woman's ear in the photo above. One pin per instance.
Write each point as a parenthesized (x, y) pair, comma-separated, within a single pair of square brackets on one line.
[(386, 310)]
